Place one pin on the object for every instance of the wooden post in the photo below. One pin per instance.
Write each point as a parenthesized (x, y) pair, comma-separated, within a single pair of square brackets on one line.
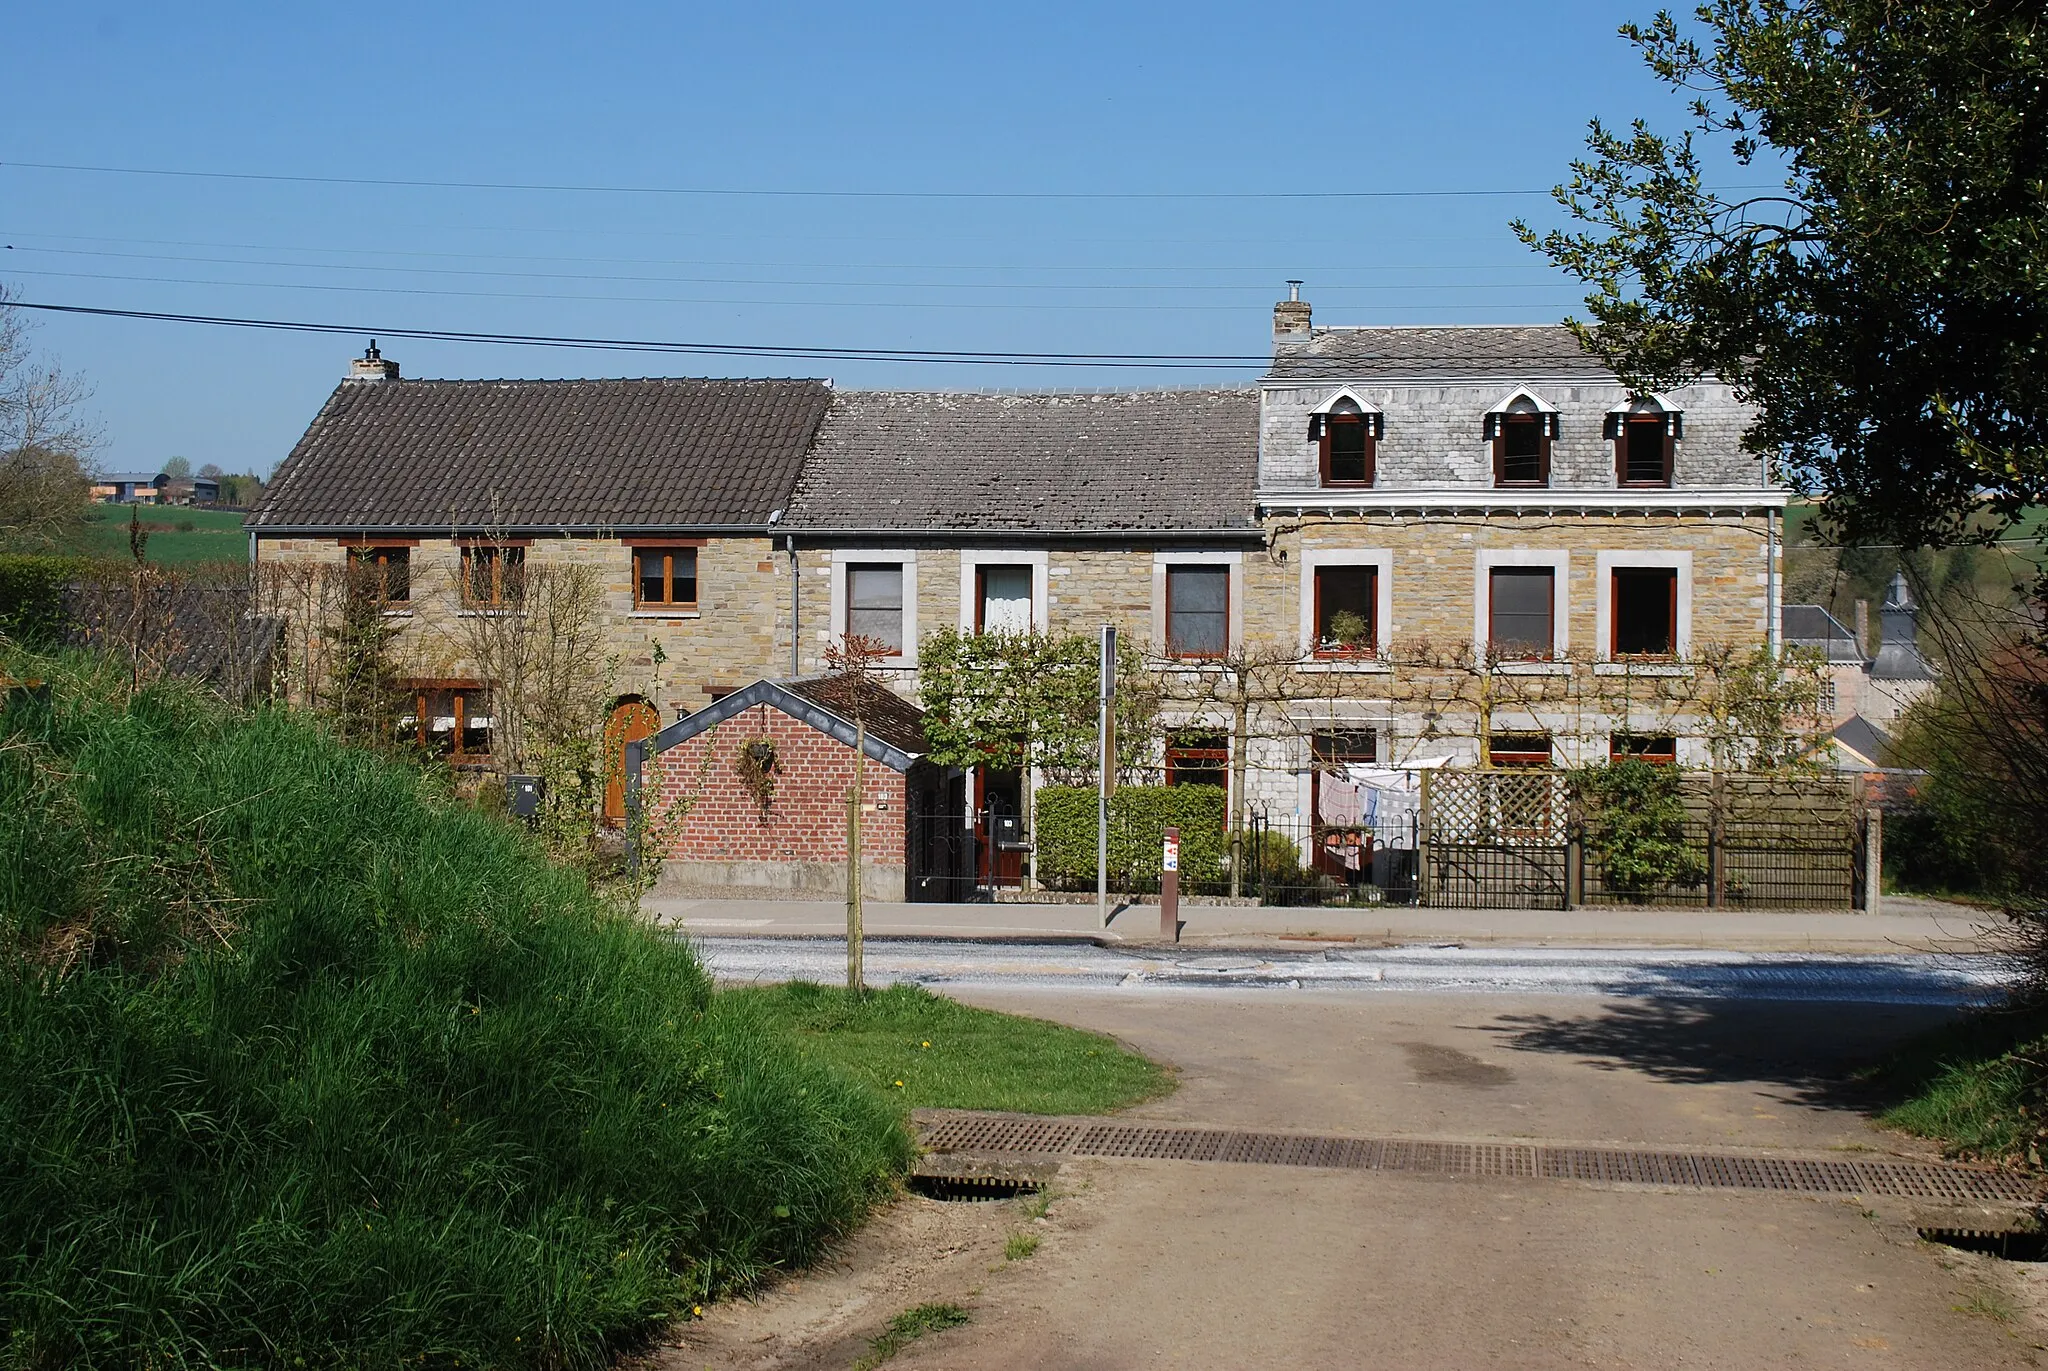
[(1169, 887), (854, 982), (632, 761), (1425, 868), (1873, 860)]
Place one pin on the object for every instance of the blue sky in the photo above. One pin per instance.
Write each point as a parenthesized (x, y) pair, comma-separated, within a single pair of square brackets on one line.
[(1023, 117)]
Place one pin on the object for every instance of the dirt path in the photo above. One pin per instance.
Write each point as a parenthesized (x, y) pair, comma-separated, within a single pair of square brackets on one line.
[(1169, 1264)]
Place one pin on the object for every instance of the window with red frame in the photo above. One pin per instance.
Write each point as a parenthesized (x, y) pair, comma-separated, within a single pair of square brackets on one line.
[(1640, 747), (1347, 611), (1198, 757), (1521, 449), (1197, 611), (1643, 450), (1644, 605), (1518, 749)]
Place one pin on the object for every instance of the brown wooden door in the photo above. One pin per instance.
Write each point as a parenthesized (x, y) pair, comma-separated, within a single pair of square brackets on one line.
[(630, 722)]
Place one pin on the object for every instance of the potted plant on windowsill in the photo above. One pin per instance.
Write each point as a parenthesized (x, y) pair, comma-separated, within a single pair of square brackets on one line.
[(1347, 635)]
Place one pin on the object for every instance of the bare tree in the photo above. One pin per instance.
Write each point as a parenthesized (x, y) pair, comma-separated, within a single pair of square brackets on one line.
[(44, 442)]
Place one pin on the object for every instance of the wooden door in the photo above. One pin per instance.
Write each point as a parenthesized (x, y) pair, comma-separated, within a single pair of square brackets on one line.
[(630, 722)]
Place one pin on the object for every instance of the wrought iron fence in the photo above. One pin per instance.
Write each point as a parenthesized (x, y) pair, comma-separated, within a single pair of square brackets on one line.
[(1292, 860)]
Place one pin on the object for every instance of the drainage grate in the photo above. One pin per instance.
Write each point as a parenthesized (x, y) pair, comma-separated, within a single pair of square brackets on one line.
[(1700, 1170), (2010, 1244), (972, 1187)]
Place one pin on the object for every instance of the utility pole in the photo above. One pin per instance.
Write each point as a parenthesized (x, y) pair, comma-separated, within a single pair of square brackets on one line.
[(1106, 770), (854, 983)]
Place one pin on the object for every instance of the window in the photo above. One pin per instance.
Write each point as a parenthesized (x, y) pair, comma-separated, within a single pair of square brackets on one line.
[(449, 720), (664, 578), (874, 603), (1521, 449), (1642, 450), (1197, 611), (1825, 700), (1002, 596), (1343, 747), (1198, 757), (1347, 446), (1347, 611), (493, 577), (1645, 609), (1518, 749), (1643, 748), (383, 573), (1522, 618)]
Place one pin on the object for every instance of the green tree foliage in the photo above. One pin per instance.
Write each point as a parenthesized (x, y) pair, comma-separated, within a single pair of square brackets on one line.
[(1010, 700), (32, 596), (1887, 310), (1635, 826)]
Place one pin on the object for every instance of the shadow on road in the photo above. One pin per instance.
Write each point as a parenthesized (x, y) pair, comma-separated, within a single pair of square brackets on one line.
[(1816, 1051)]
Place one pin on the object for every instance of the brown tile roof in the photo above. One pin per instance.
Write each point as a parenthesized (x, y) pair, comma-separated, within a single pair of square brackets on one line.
[(888, 715), (1505, 351), (1145, 461), (546, 454)]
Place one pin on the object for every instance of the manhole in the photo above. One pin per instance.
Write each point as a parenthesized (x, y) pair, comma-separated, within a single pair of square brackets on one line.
[(2010, 1244), (973, 1188)]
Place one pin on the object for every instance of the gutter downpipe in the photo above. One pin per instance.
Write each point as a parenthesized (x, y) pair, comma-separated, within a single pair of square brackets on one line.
[(796, 595), (1771, 516)]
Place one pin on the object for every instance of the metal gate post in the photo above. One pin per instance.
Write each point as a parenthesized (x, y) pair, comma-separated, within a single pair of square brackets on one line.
[(1425, 873)]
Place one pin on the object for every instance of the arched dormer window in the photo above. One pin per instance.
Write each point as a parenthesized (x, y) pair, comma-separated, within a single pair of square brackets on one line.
[(1645, 432), (1346, 431), (1521, 429)]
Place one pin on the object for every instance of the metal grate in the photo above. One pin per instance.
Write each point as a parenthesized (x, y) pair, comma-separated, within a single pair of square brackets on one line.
[(1618, 1166)]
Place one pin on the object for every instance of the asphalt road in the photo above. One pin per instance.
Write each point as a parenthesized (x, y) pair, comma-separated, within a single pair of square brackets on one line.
[(1923, 979)]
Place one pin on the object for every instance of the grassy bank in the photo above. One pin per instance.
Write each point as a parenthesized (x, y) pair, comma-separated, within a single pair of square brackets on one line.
[(922, 1051), (304, 1063), (1979, 1087)]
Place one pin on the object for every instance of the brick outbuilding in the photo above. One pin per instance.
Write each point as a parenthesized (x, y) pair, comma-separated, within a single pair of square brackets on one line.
[(748, 796)]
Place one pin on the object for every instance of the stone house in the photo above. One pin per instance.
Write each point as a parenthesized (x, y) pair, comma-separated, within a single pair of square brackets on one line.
[(451, 497)]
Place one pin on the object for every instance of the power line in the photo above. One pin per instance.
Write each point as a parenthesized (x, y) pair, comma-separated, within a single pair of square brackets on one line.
[(1168, 361), (984, 305), (779, 192)]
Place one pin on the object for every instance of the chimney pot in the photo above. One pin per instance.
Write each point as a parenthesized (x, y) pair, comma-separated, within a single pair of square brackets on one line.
[(372, 366), (1291, 317)]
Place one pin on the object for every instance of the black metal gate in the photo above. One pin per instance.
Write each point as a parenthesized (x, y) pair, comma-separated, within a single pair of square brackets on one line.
[(1495, 839)]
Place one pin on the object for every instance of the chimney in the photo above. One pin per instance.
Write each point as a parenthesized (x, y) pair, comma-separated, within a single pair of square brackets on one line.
[(1863, 627), (371, 366), (1291, 317)]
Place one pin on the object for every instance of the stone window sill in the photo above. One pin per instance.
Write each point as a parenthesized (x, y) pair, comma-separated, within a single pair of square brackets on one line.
[(666, 614), (1359, 665), (1532, 669), (1641, 669)]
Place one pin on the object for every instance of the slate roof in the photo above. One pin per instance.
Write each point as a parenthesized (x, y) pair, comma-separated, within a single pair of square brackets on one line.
[(1173, 461), (611, 455), (1864, 741), (1506, 351), (895, 727), (1812, 626)]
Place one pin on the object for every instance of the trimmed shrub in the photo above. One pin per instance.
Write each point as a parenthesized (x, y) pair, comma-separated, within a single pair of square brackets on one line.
[(1138, 818), (32, 596), (306, 1062)]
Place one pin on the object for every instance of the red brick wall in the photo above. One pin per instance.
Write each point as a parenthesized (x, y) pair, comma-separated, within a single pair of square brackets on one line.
[(805, 820)]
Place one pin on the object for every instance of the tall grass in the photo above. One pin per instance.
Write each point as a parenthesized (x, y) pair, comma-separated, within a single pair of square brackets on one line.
[(303, 1063)]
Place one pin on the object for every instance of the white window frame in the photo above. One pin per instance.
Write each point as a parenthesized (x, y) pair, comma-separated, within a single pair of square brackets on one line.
[(1560, 564), (842, 558), (973, 560), (1233, 623), (1381, 560), (1605, 564)]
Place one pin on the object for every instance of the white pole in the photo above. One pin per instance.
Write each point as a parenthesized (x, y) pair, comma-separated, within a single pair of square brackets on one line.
[(1105, 778)]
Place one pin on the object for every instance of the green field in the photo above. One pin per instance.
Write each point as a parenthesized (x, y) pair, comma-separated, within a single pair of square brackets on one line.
[(177, 537)]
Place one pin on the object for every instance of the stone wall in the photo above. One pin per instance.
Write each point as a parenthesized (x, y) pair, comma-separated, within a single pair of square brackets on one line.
[(716, 837), (1435, 434)]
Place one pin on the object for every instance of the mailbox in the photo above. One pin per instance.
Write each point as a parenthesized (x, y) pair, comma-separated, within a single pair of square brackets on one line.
[(1008, 831), (522, 796)]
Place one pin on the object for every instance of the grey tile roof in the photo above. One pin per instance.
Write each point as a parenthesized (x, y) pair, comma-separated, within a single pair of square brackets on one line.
[(546, 454), (1154, 461), (1813, 627), (1506, 351)]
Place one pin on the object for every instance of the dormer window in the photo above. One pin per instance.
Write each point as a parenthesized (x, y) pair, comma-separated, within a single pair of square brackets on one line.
[(1645, 433), (1346, 431), (1521, 428)]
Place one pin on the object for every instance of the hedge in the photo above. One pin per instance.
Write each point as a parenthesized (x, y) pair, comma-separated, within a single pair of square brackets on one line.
[(1138, 818), (32, 595)]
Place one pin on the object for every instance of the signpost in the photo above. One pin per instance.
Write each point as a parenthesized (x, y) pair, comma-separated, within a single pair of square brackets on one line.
[(1169, 887), (1105, 771)]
